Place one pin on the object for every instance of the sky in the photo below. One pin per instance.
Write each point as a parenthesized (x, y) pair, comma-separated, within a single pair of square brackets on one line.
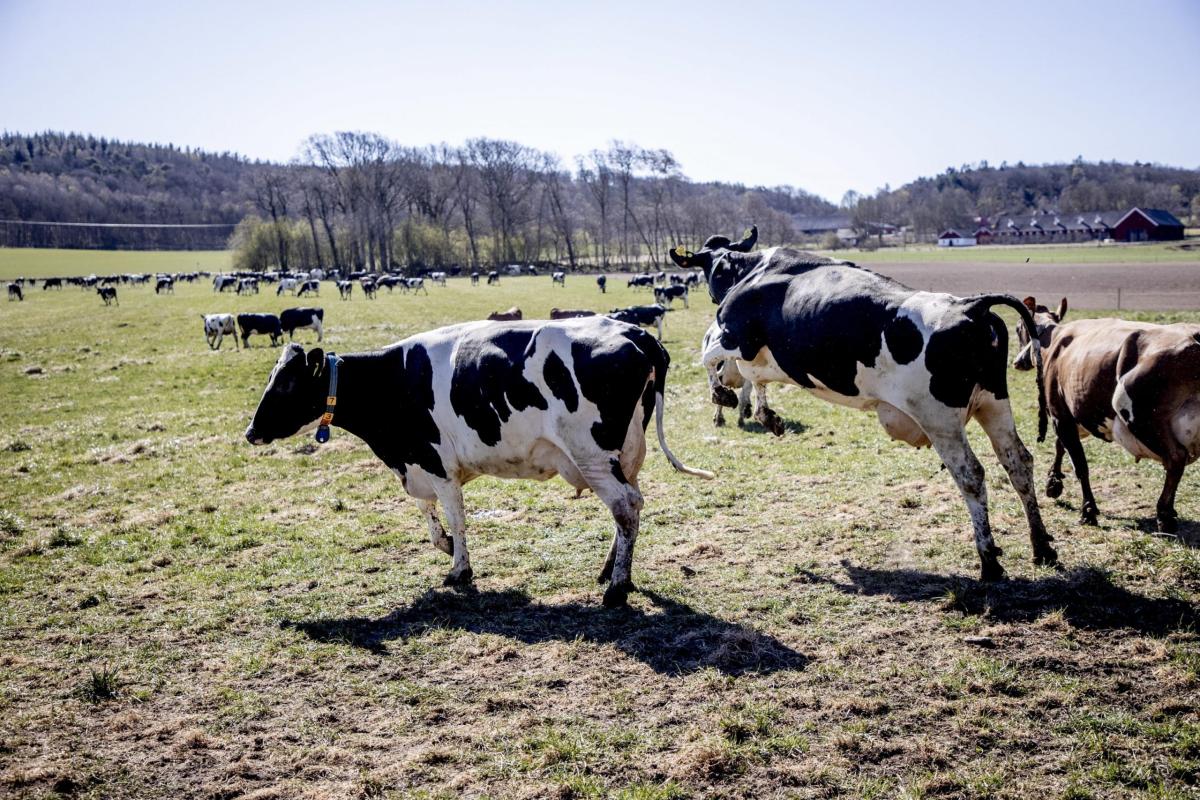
[(826, 96)]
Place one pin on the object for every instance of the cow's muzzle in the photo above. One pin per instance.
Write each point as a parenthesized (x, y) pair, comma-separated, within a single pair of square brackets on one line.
[(1024, 359), (253, 438)]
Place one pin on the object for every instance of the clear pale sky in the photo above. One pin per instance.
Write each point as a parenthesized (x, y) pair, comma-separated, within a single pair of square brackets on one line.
[(827, 96)]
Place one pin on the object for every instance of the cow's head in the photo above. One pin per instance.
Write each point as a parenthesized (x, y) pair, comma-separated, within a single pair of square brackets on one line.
[(1045, 321), (294, 397), (714, 260)]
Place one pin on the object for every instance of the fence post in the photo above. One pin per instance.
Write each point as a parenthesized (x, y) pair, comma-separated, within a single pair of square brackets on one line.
[(1118, 298)]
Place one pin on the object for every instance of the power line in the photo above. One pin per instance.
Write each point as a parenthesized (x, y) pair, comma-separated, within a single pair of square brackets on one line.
[(116, 224)]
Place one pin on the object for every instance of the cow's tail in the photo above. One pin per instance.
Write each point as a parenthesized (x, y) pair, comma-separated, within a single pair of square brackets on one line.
[(660, 385), (984, 302)]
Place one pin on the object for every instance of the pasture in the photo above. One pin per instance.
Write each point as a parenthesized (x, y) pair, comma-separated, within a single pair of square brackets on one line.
[(182, 614)]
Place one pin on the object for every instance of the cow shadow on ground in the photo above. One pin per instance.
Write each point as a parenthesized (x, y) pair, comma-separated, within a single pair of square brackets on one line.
[(672, 638), (1188, 533), (1087, 598)]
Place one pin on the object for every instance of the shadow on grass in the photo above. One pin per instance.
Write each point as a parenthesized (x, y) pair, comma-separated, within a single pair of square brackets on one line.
[(789, 425), (674, 639), (1087, 598)]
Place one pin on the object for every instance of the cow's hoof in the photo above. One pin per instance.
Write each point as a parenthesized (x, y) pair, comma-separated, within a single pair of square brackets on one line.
[(991, 571), (724, 396), (772, 422), (461, 579), (1089, 515), (1168, 524), (616, 595), (719, 422), (1054, 487), (1045, 556)]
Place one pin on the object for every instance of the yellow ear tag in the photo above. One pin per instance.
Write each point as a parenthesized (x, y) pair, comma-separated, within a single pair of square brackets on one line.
[(681, 252)]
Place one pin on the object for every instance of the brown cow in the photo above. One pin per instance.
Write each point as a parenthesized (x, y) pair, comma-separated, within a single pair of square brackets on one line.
[(568, 313), (1133, 382), (511, 315)]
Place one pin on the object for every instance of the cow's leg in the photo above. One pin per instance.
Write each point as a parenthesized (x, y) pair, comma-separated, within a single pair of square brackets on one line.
[(763, 413), (743, 406), (967, 472), (1068, 434), (437, 534), (658, 324), (1168, 520), (1054, 480), (320, 329), (450, 495), (996, 418), (625, 502), (719, 417)]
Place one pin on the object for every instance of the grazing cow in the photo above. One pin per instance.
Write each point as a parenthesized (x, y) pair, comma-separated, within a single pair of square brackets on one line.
[(223, 282), (346, 288), (602, 282), (286, 285), (1135, 383), (247, 286), (55, 283), (369, 287), (390, 282), (725, 373), (558, 277), (438, 277), (264, 324), (568, 313), (512, 315), (108, 294), (511, 400), (660, 277), (217, 327), (531, 270), (309, 287), (640, 280), (646, 316), (493, 278), (665, 295), (693, 279), (677, 279), (474, 278), (164, 284), (292, 319), (925, 363), (14, 292), (416, 284)]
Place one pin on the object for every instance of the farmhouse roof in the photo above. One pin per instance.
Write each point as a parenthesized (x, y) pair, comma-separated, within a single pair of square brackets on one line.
[(821, 224), (1157, 216)]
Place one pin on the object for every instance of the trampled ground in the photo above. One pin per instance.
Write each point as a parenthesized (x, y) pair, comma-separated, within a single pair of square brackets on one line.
[(184, 615)]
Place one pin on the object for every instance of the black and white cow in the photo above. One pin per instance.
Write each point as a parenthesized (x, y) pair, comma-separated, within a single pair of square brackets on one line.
[(926, 363), (108, 294), (164, 284), (247, 286), (345, 289), (438, 277), (55, 283), (292, 319), (493, 278), (508, 399), (474, 278), (665, 295), (369, 287), (602, 282), (558, 277), (286, 285), (14, 291), (217, 327), (390, 282), (309, 287), (646, 316), (264, 324), (223, 282), (725, 374), (416, 285), (644, 279)]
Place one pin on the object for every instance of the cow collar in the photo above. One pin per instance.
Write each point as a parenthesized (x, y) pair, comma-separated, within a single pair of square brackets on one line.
[(332, 360)]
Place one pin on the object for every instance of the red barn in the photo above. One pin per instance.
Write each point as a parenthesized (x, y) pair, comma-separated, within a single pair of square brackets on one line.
[(1147, 225)]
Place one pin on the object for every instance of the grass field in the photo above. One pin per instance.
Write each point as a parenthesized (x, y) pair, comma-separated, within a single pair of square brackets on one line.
[(183, 615), (42, 263)]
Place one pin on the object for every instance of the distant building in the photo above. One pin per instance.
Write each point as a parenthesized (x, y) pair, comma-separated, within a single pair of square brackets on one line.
[(1051, 227), (1147, 225), (953, 237), (816, 226)]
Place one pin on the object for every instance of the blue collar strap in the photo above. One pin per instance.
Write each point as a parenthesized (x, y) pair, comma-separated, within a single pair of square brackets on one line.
[(332, 361)]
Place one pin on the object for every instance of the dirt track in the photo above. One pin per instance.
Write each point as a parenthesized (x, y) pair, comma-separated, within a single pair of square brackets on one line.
[(1143, 287)]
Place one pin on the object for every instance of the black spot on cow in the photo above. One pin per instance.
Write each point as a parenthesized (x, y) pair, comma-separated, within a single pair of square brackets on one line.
[(488, 385), (617, 472), (966, 353), (561, 384), (903, 340), (605, 369)]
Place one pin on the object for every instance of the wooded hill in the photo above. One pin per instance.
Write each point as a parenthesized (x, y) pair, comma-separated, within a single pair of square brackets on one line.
[(361, 200)]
